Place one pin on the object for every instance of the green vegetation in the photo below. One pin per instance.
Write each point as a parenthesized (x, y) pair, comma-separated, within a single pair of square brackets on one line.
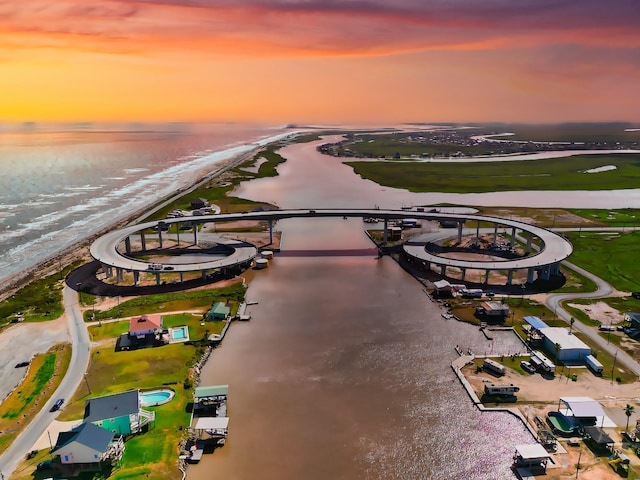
[(550, 174), (45, 374), (39, 301), (610, 133), (623, 218), (174, 302), (609, 255)]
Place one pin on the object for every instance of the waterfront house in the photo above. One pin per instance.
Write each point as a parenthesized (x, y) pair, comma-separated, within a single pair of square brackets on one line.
[(89, 445), (493, 310), (140, 327), (119, 413), (219, 311)]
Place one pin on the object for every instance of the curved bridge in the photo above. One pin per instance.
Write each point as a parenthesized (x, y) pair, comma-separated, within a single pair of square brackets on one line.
[(546, 261)]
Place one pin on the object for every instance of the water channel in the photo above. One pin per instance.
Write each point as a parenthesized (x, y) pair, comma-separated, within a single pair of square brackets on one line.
[(344, 370)]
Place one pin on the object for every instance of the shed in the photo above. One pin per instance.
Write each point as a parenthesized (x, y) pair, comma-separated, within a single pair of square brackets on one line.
[(219, 311), (572, 349)]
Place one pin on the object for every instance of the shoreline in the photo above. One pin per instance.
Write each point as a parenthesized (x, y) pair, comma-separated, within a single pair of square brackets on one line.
[(66, 255)]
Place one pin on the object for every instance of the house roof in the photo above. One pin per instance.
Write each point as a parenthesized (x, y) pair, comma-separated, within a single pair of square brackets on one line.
[(87, 434), (212, 391), (145, 323), (494, 305), (583, 406), (112, 406)]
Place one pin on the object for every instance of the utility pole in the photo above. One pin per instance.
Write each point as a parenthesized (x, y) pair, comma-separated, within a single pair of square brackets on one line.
[(613, 367), (87, 382)]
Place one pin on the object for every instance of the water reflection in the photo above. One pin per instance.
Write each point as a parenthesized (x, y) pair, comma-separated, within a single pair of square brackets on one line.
[(311, 179)]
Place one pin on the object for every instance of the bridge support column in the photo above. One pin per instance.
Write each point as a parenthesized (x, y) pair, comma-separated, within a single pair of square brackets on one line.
[(460, 232), (555, 269), (464, 273), (143, 240), (270, 231), (486, 277), (136, 277), (178, 233), (546, 273), (531, 275), (107, 270), (443, 270), (527, 249), (127, 245), (203, 275), (157, 278), (181, 279), (495, 233), (478, 232), (512, 242), (119, 275), (385, 233), (510, 277), (195, 234), (160, 236)]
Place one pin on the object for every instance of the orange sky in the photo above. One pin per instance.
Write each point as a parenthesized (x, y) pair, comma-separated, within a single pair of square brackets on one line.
[(329, 61)]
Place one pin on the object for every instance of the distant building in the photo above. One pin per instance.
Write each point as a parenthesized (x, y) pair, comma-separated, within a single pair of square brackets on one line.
[(198, 203), (493, 309)]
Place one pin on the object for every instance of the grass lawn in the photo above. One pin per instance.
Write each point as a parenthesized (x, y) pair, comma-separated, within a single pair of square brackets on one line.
[(624, 218), (550, 174), (45, 374), (39, 301), (174, 302), (609, 256)]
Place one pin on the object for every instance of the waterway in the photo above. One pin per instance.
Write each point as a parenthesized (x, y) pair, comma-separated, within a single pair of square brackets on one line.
[(344, 370)]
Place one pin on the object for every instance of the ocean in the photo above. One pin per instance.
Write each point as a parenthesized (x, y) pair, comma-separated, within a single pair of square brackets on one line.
[(60, 184)]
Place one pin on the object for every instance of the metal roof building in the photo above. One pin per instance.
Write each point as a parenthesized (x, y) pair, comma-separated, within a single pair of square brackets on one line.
[(572, 349)]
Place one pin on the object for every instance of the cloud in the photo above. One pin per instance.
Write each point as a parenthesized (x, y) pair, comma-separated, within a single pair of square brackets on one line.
[(316, 27)]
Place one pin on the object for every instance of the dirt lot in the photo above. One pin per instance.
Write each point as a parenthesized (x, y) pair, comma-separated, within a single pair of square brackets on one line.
[(539, 395)]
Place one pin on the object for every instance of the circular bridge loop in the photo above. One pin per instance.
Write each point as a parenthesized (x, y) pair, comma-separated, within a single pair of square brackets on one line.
[(553, 249)]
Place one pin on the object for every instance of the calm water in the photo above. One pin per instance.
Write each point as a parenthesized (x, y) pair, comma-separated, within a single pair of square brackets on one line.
[(310, 179), (59, 184), (344, 370)]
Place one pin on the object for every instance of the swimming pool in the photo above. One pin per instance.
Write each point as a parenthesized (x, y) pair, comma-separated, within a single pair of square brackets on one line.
[(179, 333), (156, 397)]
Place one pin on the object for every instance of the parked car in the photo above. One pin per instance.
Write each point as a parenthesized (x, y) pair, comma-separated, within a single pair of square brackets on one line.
[(47, 464), (527, 367), (57, 405)]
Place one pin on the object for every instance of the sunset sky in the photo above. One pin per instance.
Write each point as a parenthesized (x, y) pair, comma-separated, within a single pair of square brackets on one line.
[(322, 61)]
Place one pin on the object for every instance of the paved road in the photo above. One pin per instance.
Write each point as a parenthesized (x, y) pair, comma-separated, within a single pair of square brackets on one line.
[(81, 345), (604, 289)]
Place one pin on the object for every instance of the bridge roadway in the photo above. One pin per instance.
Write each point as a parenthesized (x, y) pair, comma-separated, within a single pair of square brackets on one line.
[(553, 249)]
